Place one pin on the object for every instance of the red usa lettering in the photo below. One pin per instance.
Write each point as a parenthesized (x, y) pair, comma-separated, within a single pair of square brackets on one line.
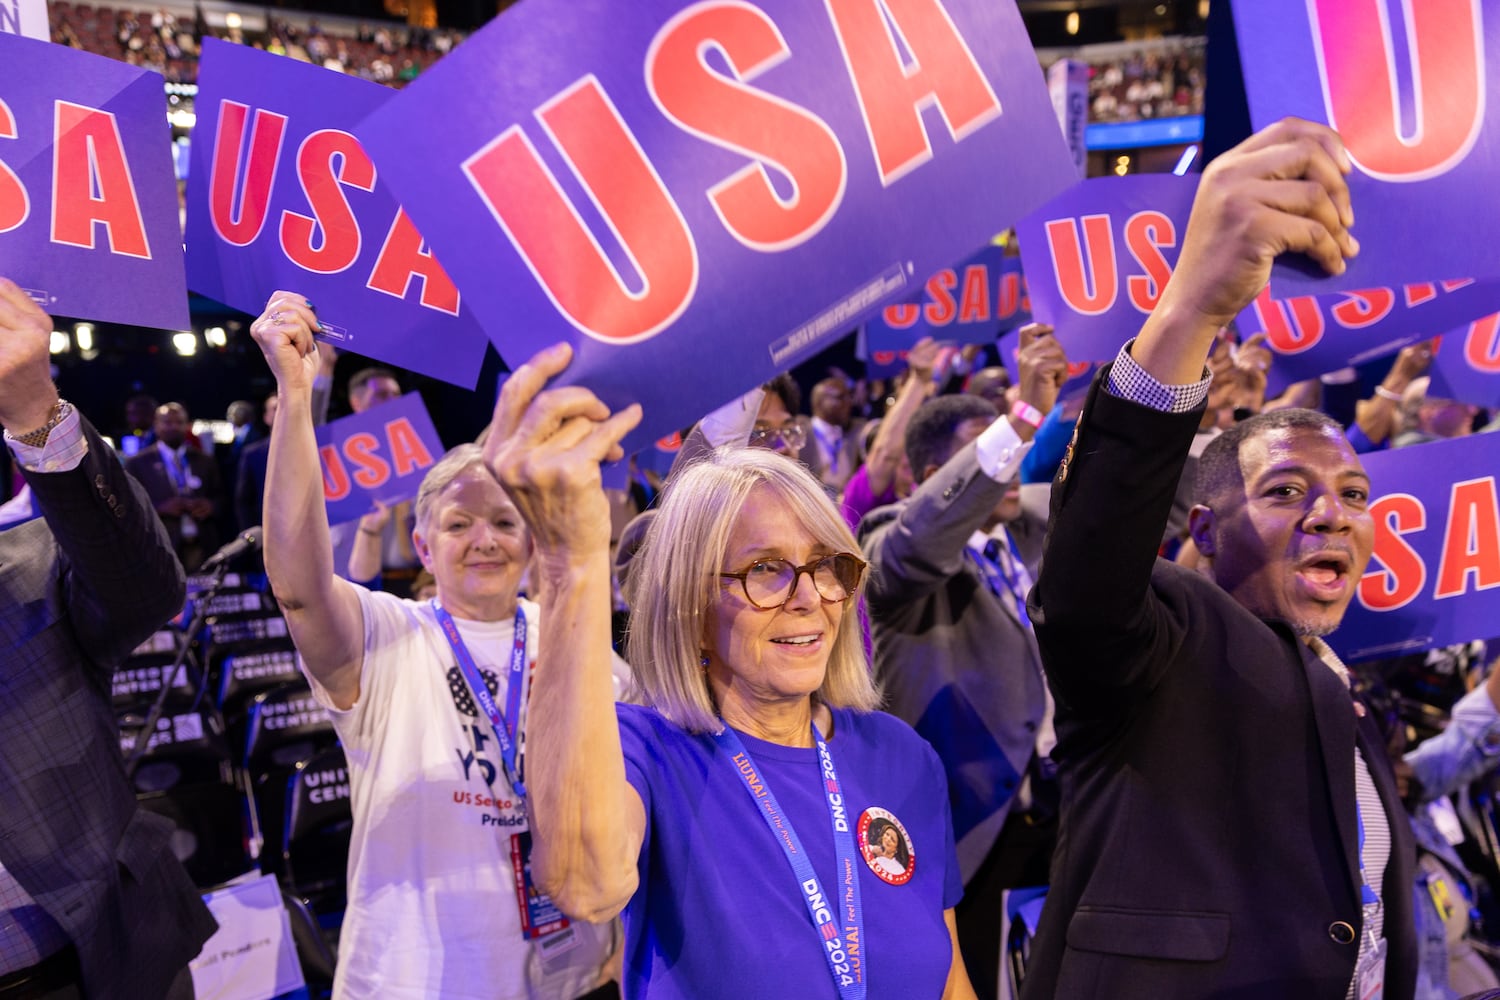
[(92, 186), (1087, 267), (1481, 345), (361, 461), (1468, 561), (1357, 67), (724, 108), (976, 302), (1296, 324), (249, 147)]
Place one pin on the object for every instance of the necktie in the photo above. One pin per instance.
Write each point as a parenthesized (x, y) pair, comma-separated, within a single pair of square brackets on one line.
[(1007, 577)]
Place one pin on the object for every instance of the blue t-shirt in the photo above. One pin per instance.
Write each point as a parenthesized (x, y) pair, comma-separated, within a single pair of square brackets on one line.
[(718, 912)]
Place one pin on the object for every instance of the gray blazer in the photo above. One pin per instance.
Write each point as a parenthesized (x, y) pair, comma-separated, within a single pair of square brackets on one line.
[(78, 591), (954, 662)]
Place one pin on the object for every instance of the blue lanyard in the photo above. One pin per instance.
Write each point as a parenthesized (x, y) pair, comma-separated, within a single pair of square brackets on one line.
[(848, 976), (505, 726), (1366, 894)]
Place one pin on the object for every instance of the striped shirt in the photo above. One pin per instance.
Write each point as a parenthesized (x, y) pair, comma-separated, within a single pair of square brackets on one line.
[(1375, 850)]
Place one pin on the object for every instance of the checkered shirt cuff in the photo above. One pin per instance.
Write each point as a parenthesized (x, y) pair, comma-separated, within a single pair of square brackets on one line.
[(63, 451), (1129, 380)]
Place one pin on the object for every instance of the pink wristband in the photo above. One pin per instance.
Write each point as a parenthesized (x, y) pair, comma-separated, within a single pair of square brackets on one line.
[(1026, 413)]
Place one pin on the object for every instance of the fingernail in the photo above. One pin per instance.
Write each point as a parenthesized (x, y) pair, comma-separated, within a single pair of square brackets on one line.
[(1344, 160), (1353, 245), (310, 305), (319, 328)]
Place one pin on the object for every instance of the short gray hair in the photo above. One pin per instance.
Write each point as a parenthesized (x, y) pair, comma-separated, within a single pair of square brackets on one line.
[(682, 555), (448, 468)]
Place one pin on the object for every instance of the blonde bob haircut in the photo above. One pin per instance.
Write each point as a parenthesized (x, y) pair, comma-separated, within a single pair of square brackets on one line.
[(676, 580)]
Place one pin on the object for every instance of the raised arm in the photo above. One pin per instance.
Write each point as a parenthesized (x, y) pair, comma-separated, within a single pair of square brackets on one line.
[(1378, 418), (587, 822), (890, 439), (1281, 190), (369, 545), (121, 577), (322, 611), (924, 546)]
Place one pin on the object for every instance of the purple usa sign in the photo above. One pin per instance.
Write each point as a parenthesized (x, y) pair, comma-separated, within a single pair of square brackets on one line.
[(1406, 85), (1100, 254), (1435, 576), (1311, 335), (970, 303), (281, 195), (380, 454), (698, 196), (88, 201)]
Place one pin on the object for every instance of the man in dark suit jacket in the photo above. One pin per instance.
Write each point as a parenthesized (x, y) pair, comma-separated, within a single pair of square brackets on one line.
[(93, 898), (833, 448), (1230, 822), (954, 653), (183, 484)]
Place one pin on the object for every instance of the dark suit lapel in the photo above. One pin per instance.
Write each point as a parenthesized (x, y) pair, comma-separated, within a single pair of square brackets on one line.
[(1333, 710)]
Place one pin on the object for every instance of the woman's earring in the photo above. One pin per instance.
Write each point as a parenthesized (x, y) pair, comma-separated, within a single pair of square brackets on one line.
[(703, 663)]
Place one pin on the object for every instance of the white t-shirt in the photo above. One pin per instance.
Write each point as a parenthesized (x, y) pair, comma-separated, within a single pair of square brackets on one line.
[(432, 907)]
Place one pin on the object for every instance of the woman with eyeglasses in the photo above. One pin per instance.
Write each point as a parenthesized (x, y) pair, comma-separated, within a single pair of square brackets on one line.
[(739, 820)]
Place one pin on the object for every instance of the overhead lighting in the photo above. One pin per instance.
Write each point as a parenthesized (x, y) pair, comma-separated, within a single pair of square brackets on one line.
[(83, 334), (1122, 166), (60, 343), (1161, 10), (1072, 22), (182, 118), (215, 336), (232, 20), (1185, 161), (1203, 10), (186, 343)]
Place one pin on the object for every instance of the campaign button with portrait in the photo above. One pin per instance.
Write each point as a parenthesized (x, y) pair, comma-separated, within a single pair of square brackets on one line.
[(886, 846)]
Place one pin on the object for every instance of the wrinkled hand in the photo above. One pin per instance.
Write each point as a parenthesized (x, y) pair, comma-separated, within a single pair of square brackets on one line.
[(284, 331), (545, 446), (1043, 366), (1282, 190), (26, 391)]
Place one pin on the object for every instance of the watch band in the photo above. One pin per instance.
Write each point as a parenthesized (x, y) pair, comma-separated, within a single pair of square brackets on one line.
[(38, 437)]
